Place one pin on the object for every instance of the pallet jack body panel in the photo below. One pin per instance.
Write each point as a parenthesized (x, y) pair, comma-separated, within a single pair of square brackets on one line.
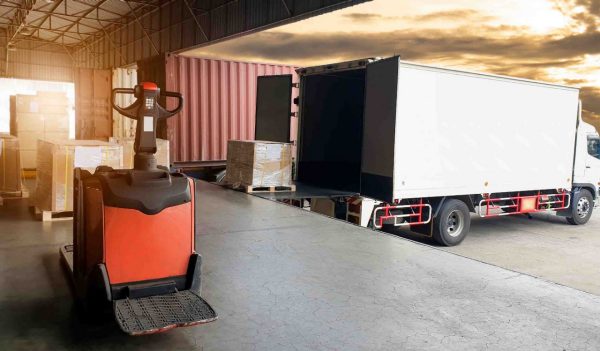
[(133, 235)]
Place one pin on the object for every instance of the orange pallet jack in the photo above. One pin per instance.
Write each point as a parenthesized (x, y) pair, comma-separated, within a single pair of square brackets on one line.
[(133, 233)]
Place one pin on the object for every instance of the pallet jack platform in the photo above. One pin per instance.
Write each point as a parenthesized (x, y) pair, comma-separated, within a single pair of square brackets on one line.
[(157, 313)]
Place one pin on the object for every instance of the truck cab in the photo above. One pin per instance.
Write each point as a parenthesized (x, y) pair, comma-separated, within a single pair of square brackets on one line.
[(587, 160)]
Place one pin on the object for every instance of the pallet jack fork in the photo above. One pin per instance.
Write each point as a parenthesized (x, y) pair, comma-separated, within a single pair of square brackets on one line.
[(133, 234)]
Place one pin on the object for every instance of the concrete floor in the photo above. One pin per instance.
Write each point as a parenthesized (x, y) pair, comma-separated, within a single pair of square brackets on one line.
[(285, 279), (545, 246)]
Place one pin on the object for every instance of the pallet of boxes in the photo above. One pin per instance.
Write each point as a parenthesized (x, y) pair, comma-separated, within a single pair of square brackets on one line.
[(259, 166), (11, 185), (33, 117), (56, 160), (162, 151)]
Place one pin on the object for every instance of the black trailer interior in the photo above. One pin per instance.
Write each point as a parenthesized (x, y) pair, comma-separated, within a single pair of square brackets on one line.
[(331, 126)]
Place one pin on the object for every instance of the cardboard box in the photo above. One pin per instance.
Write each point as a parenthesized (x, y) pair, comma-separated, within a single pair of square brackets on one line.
[(258, 163), (323, 206), (34, 117), (162, 151), (10, 164), (56, 122), (28, 159), (56, 160), (28, 122), (28, 140), (43, 102)]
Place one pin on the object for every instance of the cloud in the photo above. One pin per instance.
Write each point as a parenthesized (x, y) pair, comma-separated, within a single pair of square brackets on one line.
[(418, 44), (521, 55), (591, 99), (454, 15), (590, 96), (475, 44), (590, 17), (368, 17)]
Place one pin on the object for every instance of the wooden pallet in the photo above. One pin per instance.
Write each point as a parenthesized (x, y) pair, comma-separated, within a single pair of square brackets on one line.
[(29, 173), (265, 189), (14, 194), (50, 216)]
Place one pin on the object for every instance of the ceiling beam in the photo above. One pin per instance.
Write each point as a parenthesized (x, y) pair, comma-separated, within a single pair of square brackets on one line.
[(45, 18), (19, 19), (76, 23)]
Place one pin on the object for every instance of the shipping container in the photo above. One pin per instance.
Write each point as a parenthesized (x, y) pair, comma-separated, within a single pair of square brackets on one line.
[(220, 103)]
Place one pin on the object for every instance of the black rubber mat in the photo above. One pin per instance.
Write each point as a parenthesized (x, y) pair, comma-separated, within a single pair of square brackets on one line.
[(159, 313)]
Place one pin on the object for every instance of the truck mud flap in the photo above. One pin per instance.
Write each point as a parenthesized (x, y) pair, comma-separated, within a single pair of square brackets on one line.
[(159, 313)]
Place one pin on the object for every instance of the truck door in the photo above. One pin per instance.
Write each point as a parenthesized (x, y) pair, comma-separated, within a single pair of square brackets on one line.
[(592, 165), (273, 108)]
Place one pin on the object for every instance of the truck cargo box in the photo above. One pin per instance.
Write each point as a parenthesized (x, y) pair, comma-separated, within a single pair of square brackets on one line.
[(331, 125), (435, 132)]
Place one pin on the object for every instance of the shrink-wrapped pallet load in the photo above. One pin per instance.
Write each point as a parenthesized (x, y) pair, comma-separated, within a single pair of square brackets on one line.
[(162, 151), (258, 164), (56, 160), (41, 116), (10, 164)]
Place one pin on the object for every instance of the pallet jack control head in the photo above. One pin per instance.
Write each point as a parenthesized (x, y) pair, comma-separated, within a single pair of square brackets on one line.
[(147, 111)]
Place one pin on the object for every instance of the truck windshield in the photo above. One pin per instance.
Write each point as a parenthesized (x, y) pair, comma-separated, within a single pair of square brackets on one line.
[(594, 146)]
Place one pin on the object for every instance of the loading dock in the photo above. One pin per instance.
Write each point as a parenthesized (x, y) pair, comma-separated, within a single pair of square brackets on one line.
[(283, 278), (279, 277)]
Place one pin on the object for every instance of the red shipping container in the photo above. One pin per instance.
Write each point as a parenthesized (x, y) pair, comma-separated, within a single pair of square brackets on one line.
[(220, 104)]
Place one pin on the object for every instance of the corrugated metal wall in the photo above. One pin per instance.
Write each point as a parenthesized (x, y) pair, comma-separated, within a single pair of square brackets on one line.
[(27, 62), (220, 104)]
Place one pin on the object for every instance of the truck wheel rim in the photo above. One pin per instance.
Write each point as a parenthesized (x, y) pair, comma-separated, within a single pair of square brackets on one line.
[(455, 223), (583, 207)]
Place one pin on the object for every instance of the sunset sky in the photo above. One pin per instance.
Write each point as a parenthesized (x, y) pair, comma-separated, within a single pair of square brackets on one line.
[(550, 40)]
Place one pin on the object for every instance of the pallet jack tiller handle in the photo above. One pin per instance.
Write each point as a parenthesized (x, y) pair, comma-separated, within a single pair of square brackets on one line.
[(147, 111)]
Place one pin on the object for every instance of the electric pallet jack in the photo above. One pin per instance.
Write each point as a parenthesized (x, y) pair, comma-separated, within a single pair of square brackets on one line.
[(133, 233)]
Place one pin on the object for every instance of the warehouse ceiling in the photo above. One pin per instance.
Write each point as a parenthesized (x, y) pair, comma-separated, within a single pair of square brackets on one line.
[(113, 33), (66, 23)]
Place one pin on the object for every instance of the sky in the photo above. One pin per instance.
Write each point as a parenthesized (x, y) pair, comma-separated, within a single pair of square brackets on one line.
[(551, 40)]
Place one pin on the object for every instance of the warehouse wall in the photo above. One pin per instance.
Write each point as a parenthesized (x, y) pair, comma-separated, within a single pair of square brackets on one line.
[(220, 104), (31, 61)]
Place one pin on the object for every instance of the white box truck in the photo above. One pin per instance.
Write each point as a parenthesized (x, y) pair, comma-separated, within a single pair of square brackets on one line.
[(425, 146), (442, 143)]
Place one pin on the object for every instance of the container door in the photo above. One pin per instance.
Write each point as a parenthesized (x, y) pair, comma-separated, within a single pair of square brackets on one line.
[(273, 108), (379, 130), (93, 110)]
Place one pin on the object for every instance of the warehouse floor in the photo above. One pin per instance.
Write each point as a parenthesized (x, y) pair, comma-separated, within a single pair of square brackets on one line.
[(282, 278)]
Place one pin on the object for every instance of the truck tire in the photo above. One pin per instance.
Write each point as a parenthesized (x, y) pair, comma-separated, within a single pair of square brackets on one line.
[(452, 224), (582, 207)]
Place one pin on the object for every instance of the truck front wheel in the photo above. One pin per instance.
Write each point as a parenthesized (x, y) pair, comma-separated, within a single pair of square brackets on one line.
[(451, 225), (581, 207)]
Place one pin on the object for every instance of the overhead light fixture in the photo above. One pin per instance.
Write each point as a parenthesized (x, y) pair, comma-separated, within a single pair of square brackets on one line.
[(11, 47)]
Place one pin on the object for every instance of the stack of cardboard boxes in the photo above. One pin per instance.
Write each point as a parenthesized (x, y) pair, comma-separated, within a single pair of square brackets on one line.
[(10, 165), (258, 164), (34, 117), (162, 151), (56, 161)]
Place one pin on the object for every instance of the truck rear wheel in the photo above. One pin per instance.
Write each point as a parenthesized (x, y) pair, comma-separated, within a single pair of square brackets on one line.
[(451, 225), (582, 207)]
